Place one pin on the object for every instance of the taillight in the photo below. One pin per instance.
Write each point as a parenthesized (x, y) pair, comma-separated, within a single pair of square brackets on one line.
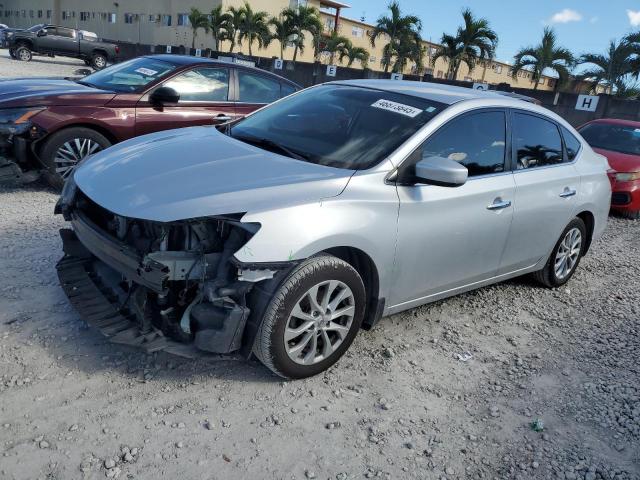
[(117, 49)]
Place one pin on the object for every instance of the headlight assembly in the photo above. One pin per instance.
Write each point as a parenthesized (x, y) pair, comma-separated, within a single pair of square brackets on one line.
[(18, 116), (627, 177)]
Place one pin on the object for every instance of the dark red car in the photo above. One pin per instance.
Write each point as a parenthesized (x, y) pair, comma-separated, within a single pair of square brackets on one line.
[(49, 125), (619, 141)]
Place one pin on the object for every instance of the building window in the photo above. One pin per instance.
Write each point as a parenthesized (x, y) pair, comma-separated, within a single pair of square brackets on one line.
[(497, 68), (31, 14), (112, 17), (39, 13), (357, 32), (84, 16), (330, 23), (129, 17), (183, 20), (541, 81), (48, 13), (428, 71), (372, 59), (165, 20), (24, 14)]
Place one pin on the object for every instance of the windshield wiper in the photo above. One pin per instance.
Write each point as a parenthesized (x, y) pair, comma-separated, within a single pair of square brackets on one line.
[(271, 145)]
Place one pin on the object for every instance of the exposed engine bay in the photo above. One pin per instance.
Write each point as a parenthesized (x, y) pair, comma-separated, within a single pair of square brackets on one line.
[(172, 282)]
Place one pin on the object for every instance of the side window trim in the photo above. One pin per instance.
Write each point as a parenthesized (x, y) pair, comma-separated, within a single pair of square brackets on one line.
[(514, 153), (411, 158)]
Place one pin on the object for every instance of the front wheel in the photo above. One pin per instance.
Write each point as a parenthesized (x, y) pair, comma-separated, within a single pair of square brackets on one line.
[(12, 53), (565, 257), (23, 54), (64, 150), (312, 318), (99, 61)]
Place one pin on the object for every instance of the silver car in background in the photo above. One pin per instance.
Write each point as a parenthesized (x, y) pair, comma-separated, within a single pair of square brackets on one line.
[(286, 233)]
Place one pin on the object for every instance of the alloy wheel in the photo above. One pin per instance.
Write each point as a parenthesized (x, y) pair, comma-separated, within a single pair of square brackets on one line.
[(319, 322), (568, 253), (99, 62), (24, 55), (70, 153)]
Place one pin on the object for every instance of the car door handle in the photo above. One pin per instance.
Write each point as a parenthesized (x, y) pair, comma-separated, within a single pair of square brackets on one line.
[(499, 204), (568, 193), (222, 117)]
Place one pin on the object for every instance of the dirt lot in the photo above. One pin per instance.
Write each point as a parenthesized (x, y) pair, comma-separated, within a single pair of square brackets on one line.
[(401, 404)]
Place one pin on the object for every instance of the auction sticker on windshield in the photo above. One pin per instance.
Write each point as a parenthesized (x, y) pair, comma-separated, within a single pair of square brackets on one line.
[(406, 110)]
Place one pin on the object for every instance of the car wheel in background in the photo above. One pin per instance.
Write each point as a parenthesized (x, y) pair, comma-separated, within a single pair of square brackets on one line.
[(87, 62), (63, 151), (99, 61), (565, 257), (23, 54), (312, 318), (12, 53)]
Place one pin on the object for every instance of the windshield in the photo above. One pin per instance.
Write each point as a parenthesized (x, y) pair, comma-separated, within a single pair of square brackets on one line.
[(131, 76), (616, 138), (337, 125)]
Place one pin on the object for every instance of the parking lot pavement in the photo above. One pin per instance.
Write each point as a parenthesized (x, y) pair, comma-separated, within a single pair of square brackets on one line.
[(39, 66), (511, 381)]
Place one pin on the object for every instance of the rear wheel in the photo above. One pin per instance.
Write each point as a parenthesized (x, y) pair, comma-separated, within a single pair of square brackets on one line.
[(565, 257), (312, 318), (64, 150), (99, 61), (23, 54)]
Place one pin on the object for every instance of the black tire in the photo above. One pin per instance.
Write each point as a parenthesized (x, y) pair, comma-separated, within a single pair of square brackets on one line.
[(99, 61), (23, 53), (56, 141), (270, 345), (12, 53), (87, 62), (547, 276)]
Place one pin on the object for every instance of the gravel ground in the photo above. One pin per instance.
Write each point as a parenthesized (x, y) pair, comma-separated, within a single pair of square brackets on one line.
[(401, 404), (550, 388), (38, 67)]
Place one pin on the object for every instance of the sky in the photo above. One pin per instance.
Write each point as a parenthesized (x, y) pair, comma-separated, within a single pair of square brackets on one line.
[(585, 26)]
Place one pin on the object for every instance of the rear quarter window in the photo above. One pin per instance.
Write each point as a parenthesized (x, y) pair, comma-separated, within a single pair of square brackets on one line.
[(571, 143)]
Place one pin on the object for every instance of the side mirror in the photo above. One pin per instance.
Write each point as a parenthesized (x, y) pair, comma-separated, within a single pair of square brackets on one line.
[(42, 33), (163, 95), (440, 171)]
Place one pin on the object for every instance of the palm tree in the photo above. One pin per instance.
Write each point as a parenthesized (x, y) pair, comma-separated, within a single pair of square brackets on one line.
[(474, 41), (219, 25), (253, 27), (352, 54), (547, 55), (233, 25), (282, 32), (409, 48), (450, 50), (197, 20), (304, 19), (336, 44), (611, 68), (395, 27)]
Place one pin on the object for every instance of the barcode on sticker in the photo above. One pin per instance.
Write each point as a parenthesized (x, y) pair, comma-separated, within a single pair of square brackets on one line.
[(406, 110)]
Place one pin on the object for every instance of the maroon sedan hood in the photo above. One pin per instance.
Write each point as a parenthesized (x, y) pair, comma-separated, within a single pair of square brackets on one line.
[(621, 162), (37, 92)]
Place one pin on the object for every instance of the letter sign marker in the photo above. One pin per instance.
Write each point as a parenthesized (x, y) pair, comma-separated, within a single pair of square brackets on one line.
[(331, 70), (587, 103)]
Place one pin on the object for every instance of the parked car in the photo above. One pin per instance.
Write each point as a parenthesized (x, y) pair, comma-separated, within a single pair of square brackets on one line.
[(619, 141), (519, 96), (51, 125), (321, 213), (66, 42)]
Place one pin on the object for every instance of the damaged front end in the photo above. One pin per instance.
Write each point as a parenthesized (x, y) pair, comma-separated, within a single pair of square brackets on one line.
[(159, 286)]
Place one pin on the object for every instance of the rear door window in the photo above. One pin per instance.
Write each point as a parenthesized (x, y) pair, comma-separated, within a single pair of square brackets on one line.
[(536, 142), (287, 89), (257, 88), (476, 140), (202, 85)]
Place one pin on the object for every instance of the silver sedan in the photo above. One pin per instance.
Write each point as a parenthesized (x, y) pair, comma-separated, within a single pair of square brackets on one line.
[(284, 234)]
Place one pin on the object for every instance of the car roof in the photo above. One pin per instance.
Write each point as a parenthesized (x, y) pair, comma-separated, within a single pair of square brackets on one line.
[(182, 60), (616, 121), (436, 92)]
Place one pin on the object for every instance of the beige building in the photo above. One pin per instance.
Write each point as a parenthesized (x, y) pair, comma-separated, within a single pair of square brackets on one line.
[(165, 22)]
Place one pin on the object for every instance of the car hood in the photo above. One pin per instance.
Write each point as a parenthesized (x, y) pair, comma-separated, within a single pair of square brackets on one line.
[(36, 92), (621, 162), (198, 172)]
